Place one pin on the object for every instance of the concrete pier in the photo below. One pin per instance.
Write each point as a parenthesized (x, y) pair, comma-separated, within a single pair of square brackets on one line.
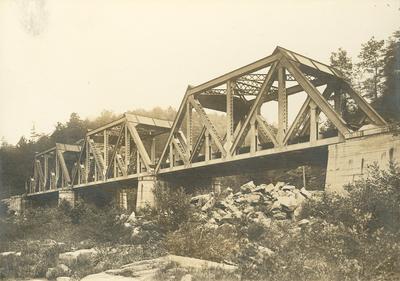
[(349, 161)]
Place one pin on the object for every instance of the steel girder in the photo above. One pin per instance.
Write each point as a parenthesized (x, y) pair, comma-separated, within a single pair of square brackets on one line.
[(125, 148), (120, 149), (53, 168), (272, 79)]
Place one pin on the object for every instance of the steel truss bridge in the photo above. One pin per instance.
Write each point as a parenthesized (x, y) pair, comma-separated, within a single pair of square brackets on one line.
[(134, 147)]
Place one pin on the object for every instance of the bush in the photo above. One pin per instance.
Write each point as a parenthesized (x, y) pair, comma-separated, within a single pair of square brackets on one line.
[(352, 237), (172, 207), (370, 203), (34, 259), (195, 240)]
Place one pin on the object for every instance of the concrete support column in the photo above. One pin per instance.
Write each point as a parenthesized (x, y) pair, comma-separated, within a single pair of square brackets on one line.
[(145, 195), (69, 195), (126, 198), (216, 185), (348, 161), (17, 204)]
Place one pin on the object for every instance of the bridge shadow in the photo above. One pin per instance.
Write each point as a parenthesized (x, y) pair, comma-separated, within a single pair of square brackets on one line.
[(192, 178)]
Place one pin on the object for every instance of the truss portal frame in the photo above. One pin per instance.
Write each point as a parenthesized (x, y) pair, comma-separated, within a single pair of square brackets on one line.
[(53, 168), (240, 95), (122, 149)]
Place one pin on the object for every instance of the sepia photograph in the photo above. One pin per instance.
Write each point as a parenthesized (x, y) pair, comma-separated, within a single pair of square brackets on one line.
[(149, 140)]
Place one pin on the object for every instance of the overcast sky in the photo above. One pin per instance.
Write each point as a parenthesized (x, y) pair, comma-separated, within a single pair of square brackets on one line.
[(58, 57)]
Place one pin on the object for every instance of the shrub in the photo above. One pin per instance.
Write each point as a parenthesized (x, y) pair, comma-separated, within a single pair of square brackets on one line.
[(195, 240), (370, 203), (352, 237), (172, 207)]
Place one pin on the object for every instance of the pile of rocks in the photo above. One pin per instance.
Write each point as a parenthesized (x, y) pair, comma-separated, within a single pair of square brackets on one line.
[(258, 204), (142, 229)]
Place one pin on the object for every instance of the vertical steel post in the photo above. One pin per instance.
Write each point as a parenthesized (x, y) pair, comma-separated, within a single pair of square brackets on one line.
[(127, 148), (253, 136), (87, 160), (230, 85), (207, 145), (153, 150), (45, 172), (138, 163), (189, 126), (282, 105), (105, 152), (57, 171), (313, 122), (171, 156)]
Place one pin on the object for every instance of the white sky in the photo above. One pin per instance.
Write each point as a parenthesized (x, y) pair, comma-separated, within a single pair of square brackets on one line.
[(58, 57)]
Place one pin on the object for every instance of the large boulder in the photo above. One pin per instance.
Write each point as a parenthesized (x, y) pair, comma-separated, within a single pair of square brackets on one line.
[(248, 187), (131, 218), (250, 198), (260, 218), (10, 254), (288, 203), (187, 277), (305, 192), (51, 273), (208, 205), (269, 188), (64, 278), (72, 258), (200, 200)]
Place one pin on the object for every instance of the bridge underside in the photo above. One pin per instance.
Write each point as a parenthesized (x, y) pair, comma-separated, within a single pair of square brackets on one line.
[(203, 175)]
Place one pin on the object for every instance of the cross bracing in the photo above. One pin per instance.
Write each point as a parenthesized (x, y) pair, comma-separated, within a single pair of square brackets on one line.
[(125, 148)]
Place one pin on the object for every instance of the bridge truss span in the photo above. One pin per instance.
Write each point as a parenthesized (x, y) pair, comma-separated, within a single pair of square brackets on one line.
[(242, 96), (283, 103)]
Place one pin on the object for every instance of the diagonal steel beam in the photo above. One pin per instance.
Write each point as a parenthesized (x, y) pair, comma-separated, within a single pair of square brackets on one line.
[(74, 173), (258, 100), (38, 167), (139, 145), (262, 124), (178, 146), (63, 166), (197, 146), (326, 94), (263, 63), (208, 124), (365, 107), (316, 97), (300, 117), (121, 164), (97, 157), (114, 152), (175, 126)]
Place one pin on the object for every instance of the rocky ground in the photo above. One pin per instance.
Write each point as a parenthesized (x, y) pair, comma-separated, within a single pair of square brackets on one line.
[(261, 205)]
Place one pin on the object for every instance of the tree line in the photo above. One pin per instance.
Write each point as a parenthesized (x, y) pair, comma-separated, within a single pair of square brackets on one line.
[(374, 73)]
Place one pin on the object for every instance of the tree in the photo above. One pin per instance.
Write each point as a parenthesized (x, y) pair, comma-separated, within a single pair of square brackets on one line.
[(371, 66), (390, 103), (342, 61)]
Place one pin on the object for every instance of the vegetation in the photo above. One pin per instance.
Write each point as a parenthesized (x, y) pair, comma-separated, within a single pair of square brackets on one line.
[(356, 237), (375, 75)]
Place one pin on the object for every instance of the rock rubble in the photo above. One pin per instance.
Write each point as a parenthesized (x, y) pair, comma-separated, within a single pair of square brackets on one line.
[(257, 203)]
